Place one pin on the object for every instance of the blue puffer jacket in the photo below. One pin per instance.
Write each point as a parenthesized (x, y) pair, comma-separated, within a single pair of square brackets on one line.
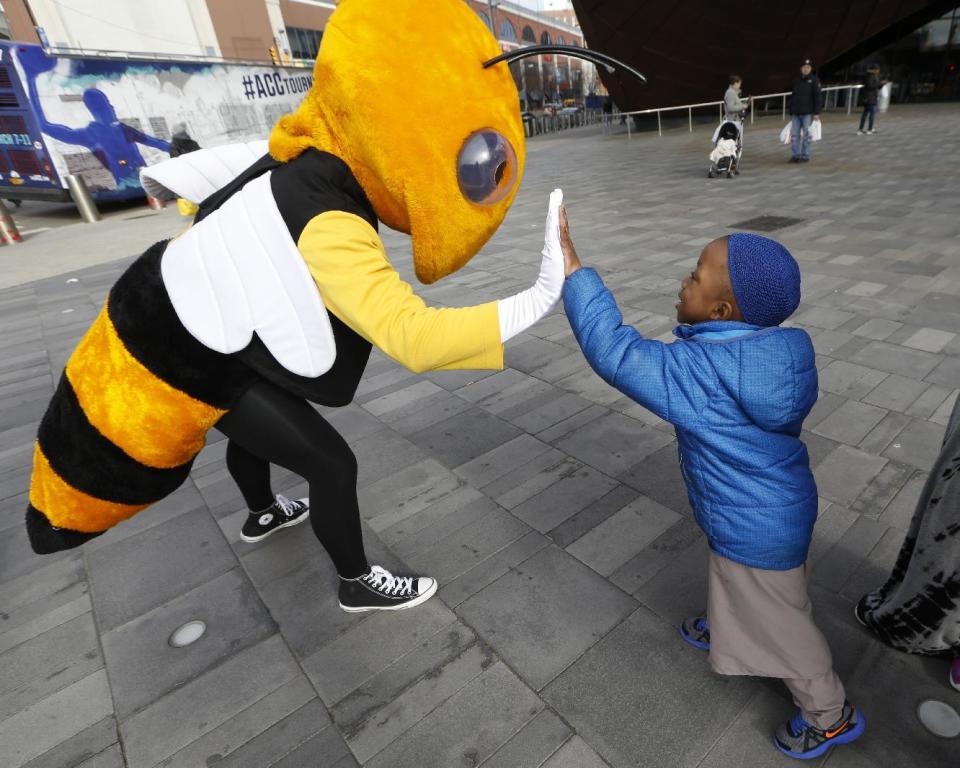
[(737, 395)]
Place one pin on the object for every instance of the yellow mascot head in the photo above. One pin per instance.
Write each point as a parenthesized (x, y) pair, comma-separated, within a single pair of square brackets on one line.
[(436, 141)]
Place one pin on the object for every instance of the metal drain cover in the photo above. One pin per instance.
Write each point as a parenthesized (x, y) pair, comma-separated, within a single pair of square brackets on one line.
[(939, 718), (766, 223)]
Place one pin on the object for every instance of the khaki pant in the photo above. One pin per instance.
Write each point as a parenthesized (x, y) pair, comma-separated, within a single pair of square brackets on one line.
[(761, 623)]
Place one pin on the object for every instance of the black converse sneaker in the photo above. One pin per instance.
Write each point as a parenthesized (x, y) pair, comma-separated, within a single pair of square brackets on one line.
[(380, 590), (281, 514)]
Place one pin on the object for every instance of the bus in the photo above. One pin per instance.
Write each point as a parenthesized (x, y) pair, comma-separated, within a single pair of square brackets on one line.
[(103, 118)]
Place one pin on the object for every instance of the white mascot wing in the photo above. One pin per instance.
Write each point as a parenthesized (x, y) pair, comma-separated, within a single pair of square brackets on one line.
[(197, 175), (238, 271)]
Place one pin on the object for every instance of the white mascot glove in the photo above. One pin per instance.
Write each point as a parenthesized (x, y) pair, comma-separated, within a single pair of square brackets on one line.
[(519, 312)]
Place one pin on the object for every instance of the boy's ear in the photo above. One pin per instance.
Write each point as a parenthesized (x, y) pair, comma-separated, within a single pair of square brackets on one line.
[(722, 310)]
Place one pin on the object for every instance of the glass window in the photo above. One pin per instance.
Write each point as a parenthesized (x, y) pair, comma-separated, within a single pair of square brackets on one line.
[(545, 38), (528, 35), (507, 32), (559, 39)]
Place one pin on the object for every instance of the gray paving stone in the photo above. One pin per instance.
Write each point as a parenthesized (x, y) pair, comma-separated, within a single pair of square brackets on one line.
[(749, 740), (327, 746), (44, 617), (172, 722), (621, 536), (56, 719), (381, 454), (437, 521), (111, 757), (147, 569), (931, 402), (842, 476), (450, 735), (44, 589), (851, 422), (463, 437), (898, 738), (304, 603), (270, 726), (849, 380), (576, 487), (918, 444), (282, 739), (529, 479), (896, 359), (503, 459), (32, 671), (544, 613), (576, 753), (143, 665), (468, 546), (436, 408), (885, 486), (896, 393), (364, 650), (613, 443), (901, 509), (403, 494), (648, 676), (837, 565), (884, 433), (533, 744), (592, 515), (77, 749)]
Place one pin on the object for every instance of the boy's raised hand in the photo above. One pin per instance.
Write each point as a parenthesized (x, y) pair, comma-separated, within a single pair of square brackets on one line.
[(571, 263)]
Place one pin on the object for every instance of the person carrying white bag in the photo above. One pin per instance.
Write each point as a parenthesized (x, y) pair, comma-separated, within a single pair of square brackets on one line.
[(805, 103)]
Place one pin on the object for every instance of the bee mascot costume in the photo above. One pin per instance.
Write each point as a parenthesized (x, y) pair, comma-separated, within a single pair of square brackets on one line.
[(277, 292)]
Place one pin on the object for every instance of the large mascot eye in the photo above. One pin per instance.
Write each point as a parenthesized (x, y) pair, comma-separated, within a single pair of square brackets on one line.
[(486, 167)]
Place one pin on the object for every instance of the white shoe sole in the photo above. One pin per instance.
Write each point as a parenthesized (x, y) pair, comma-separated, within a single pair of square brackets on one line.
[(410, 604), (255, 539)]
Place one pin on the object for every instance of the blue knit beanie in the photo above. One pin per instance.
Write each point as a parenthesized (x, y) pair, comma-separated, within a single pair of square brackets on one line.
[(765, 279)]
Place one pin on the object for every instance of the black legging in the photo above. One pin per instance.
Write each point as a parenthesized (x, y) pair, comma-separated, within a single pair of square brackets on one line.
[(269, 425)]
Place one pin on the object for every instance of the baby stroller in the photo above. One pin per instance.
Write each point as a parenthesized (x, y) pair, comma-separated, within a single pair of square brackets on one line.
[(727, 149)]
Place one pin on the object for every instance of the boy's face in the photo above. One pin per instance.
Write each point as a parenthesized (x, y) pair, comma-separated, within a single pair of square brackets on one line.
[(707, 294), (806, 69), (737, 84)]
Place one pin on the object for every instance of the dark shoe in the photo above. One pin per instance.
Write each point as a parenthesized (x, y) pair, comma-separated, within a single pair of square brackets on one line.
[(696, 631), (794, 159), (380, 590), (799, 739), (283, 513), (804, 159)]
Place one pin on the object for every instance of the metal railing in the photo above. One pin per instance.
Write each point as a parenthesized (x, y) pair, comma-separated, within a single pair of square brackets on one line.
[(535, 125), (831, 90)]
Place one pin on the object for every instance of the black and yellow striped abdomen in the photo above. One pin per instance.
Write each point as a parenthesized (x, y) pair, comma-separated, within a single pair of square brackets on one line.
[(129, 415)]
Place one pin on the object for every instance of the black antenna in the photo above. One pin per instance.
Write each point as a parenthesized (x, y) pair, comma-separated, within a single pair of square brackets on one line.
[(607, 62)]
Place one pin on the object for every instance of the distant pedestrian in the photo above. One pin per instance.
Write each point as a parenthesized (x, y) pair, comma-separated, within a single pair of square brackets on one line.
[(871, 92), (805, 104), (917, 609), (733, 105), (181, 144)]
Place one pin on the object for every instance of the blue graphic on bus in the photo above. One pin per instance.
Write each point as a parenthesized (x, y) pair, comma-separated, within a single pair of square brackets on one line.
[(104, 118)]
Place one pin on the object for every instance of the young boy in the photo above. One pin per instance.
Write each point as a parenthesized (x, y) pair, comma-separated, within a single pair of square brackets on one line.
[(736, 387)]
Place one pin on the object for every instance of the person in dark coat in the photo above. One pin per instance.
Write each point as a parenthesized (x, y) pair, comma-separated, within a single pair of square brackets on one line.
[(805, 104), (180, 142), (917, 609), (871, 91)]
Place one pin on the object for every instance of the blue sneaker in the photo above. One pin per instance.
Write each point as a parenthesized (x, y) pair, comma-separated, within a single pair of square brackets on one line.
[(800, 739), (696, 631)]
